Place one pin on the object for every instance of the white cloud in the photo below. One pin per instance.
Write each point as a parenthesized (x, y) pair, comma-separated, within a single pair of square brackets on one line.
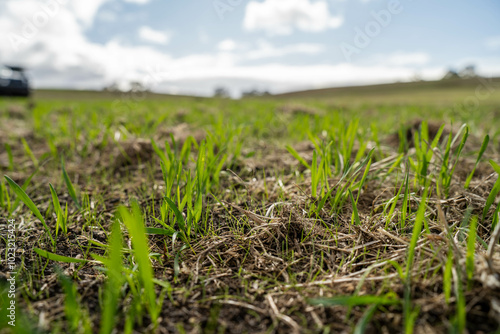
[(227, 45), (281, 17), (321, 74), (263, 49), (85, 11), (139, 2), (154, 36), (58, 54), (280, 78), (267, 50)]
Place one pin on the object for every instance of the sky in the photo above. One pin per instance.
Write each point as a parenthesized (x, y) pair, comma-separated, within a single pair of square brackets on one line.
[(194, 46)]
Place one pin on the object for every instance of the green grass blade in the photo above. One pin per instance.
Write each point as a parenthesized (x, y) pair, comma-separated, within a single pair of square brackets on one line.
[(406, 196), (355, 215), (365, 320), (28, 151), (8, 149), (58, 258), (495, 166), (493, 194), (61, 223), (55, 199), (459, 152), (435, 141), (460, 319), (393, 205), (71, 305), (178, 216), (159, 152), (160, 231), (4, 196), (297, 156), (24, 187), (471, 249), (363, 179), (114, 283), (417, 228), (354, 300), (69, 185), (135, 226), (447, 276), (495, 217), (29, 203), (479, 156)]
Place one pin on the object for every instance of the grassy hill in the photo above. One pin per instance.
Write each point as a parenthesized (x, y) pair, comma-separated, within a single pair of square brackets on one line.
[(442, 91), (82, 95), (422, 92)]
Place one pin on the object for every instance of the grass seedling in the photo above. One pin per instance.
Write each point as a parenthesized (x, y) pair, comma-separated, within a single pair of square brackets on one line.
[(351, 301), (445, 176), (424, 151), (494, 191), (495, 217), (363, 179), (355, 216), (297, 156), (448, 276), (315, 175), (409, 313), (185, 227), (21, 194), (25, 185), (113, 285), (135, 226), (406, 198), (479, 156), (4, 196), (57, 258), (460, 320), (62, 216), (8, 149), (394, 201), (471, 250), (29, 153), (69, 185)]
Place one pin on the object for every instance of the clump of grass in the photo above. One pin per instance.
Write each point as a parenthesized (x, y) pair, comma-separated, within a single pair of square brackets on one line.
[(69, 185), (62, 216), (446, 174)]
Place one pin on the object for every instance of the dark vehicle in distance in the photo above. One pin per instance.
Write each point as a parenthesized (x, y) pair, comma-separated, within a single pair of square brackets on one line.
[(13, 81)]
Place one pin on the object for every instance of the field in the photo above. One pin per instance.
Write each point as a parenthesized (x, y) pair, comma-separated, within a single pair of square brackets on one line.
[(370, 209)]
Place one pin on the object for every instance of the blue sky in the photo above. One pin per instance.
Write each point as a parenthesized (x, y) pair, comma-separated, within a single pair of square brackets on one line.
[(193, 46)]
